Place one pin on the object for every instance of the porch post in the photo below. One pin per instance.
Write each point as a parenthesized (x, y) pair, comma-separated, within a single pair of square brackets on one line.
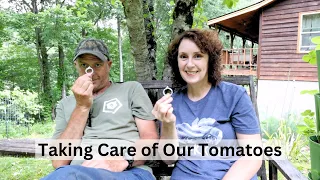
[(231, 39), (243, 43)]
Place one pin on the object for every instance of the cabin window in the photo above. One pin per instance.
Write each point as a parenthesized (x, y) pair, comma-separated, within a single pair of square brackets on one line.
[(309, 27)]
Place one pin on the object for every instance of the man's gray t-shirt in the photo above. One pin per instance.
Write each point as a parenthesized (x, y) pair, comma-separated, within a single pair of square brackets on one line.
[(225, 110), (112, 113)]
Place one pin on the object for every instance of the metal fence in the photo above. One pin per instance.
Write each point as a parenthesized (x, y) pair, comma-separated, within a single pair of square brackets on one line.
[(14, 120)]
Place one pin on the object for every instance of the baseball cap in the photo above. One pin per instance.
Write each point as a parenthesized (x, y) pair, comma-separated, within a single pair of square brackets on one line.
[(92, 46)]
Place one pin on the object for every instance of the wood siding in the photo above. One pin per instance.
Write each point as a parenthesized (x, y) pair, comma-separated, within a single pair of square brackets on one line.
[(278, 38)]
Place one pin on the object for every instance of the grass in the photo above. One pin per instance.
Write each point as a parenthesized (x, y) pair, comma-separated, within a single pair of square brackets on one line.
[(12, 168), (22, 167), (37, 130)]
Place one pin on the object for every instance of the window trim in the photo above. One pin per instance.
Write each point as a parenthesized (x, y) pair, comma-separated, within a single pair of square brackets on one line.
[(300, 30)]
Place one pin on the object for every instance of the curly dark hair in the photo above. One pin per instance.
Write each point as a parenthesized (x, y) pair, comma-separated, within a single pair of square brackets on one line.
[(208, 42)]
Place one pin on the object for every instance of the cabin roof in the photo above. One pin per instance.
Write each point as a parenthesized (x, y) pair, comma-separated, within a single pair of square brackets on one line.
[(243, 22)]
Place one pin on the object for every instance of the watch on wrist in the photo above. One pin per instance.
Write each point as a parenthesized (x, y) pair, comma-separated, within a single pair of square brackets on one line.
[(129, 159)]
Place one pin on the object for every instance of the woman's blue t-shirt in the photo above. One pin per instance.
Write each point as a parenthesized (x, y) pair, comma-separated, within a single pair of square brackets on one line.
[(225, 110)]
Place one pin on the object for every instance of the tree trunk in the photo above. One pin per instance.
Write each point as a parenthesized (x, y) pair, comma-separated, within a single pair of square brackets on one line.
[(46, 71), (120, 47), (61, 72), (83, 33), (148, 10), (45, 88), (182, 16), (182, 21), (134, 15), (37, 31), (42, 59)]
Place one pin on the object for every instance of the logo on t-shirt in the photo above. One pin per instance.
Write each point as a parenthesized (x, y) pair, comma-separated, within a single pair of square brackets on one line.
[(112, 106), (203, 129)]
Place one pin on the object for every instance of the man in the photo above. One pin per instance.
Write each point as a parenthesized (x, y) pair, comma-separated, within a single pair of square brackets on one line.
[(101, 109)]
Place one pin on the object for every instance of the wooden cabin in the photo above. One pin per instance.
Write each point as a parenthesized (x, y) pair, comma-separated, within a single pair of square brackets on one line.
[(283, 30)]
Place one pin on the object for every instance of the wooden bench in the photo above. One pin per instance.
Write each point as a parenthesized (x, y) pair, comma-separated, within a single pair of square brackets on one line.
[(154, 90), (26, 147)]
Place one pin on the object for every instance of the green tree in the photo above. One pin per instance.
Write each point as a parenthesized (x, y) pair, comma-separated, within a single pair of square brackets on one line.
[(133, 11), (41, 38)]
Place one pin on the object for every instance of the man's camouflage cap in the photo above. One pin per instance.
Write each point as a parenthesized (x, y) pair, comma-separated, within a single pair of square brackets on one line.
[(92, 46)]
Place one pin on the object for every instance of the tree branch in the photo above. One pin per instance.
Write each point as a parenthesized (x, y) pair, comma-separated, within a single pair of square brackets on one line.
[(96, 21), (62, 3), (28, 5)]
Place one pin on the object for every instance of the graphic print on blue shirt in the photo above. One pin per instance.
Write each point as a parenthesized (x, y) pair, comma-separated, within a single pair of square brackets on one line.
[(200, 130)]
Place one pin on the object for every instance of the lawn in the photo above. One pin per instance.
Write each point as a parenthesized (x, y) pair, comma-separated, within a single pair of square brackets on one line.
[(24, 168), (37, 130)]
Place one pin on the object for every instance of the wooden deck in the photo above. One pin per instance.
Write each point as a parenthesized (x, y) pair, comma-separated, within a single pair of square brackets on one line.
[(239, 72), (241, 61)]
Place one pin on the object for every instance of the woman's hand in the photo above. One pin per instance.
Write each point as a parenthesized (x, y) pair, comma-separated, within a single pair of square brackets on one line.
[(163, 110)]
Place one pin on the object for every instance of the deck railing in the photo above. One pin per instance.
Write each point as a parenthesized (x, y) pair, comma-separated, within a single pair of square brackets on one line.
[(240, 61)]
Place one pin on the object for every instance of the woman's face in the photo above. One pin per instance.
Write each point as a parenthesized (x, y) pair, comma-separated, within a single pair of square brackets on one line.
[(192, 63)]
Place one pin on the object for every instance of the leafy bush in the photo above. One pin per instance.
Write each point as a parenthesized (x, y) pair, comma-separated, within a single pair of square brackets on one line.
[(283, 133), (311, 56), (20, 106), (308, 127), (271, 126)]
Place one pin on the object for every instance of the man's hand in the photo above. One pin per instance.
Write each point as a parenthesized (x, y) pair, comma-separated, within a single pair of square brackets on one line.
[(163, 110), (82, 90), (111, 165)]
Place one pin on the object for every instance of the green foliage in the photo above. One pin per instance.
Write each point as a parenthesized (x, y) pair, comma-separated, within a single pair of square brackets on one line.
[(311, 56), (230, 3), (19, 105), (199, 19), (311, 92), (3, 24), (14, 60), (163, 27), (271, 125), (43, 129), (59, 26), (308, 126), (283, 133), (62, 26), (316, 40)]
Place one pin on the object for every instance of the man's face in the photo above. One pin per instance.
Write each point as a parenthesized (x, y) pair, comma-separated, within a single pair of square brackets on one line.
[(100, 76)]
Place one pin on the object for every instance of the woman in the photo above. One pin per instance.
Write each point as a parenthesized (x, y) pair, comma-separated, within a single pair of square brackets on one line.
[(205, 108)]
